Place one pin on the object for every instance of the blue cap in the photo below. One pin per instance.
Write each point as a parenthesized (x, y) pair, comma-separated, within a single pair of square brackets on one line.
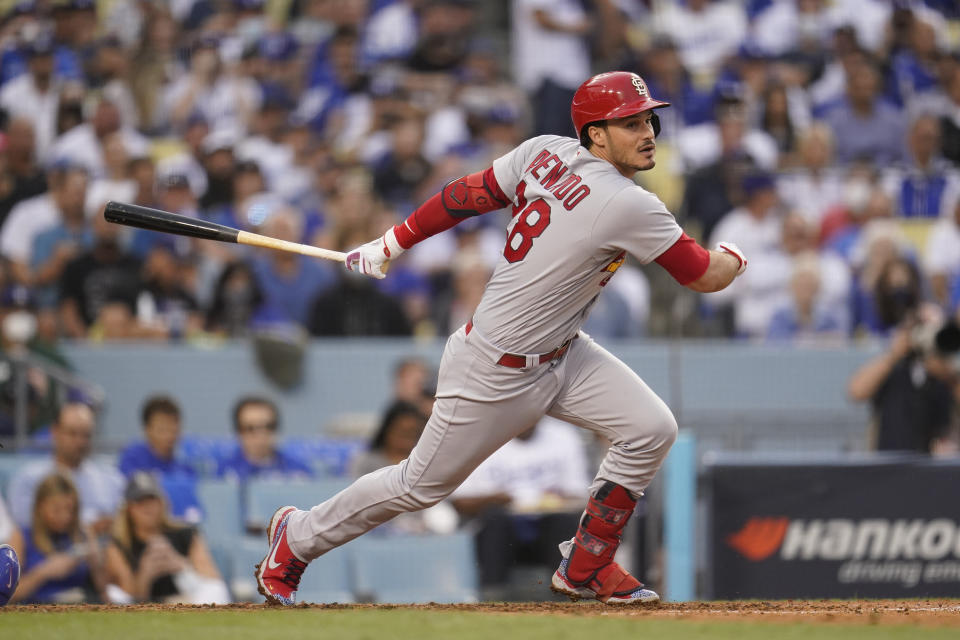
[(278, 47), (756, 181), (41, 44)]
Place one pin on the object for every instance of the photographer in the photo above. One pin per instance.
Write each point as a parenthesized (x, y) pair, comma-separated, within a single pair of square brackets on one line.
[(914, 387)]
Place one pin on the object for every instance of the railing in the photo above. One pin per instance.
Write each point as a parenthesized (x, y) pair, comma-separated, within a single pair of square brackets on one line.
[(20, 366)]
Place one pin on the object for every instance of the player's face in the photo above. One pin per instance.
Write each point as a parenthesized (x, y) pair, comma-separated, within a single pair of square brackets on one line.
[(630, 144)]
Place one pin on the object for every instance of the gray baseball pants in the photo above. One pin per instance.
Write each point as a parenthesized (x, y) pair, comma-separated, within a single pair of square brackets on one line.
[(480, 406)]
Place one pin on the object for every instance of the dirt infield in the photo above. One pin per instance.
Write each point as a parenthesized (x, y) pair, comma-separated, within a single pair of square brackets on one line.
[(937, 613)]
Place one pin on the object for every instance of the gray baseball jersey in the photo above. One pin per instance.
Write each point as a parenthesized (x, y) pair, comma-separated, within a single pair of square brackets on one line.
[(574, 216), (574, 219)]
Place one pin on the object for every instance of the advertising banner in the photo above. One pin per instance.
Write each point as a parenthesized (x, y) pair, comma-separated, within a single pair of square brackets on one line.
[(834, 531)]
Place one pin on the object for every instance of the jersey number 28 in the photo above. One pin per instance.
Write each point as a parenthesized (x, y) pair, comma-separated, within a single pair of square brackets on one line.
[(532, 219)]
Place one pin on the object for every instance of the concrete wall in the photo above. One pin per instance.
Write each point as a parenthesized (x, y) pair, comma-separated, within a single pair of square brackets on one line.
[(729, 393)]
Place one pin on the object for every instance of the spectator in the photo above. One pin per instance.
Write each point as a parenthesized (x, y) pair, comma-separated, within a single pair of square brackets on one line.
[(289, 282), (521, 498), (153, 558), (545, 31), (60, 560), (84, 144), (99, 487), (236, 298), (792, 26), (919, 186), (888, 286), (950, 118), (707, 32), (399, 431), (813, 186), (942, 255), (355, 307), (35, 95), (864, 124), (912, 387), (415, 383), (116, 183), (103, 276), (164, 303), (218, 96), (20, 177), (256, 422), (56, 246), (31, 217), (157, 454), (769, 285), (400, 176), (154, 65), (805, 315)]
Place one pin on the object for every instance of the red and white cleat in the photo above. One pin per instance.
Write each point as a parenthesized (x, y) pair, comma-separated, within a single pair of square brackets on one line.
[(278, 575), (610, 584)]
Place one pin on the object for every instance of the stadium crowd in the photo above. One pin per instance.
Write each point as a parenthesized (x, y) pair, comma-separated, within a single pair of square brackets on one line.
[(823, 137)]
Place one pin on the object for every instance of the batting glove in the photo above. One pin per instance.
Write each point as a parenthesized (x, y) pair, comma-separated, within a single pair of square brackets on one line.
[(372, 258), (734, 250)]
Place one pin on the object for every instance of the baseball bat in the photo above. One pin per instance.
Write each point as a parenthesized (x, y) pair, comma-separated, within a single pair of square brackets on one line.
[(133, 215)]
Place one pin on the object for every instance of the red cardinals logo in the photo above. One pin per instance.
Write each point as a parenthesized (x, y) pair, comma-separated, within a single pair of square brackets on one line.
[(759, 538)]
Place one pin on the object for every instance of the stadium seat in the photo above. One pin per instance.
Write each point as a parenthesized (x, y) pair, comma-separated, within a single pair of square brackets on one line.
[(327, 579), (411, 569), (221, 504), (266, 496), (10, 464)]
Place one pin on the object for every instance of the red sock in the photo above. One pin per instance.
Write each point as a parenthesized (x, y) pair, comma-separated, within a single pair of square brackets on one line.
[(600, 531)]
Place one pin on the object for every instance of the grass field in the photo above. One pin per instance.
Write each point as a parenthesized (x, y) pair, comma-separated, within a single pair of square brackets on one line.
[(720, 621)]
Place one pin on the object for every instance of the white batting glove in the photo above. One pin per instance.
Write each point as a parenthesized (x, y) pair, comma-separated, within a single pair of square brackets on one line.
[(373, 257), (734, 250)]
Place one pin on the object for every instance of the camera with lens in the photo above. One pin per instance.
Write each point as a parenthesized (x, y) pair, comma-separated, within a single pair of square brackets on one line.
[(939, 339)]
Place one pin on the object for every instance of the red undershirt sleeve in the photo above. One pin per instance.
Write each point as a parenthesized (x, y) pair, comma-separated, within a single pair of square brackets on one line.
[(685, 260), (471, 195)]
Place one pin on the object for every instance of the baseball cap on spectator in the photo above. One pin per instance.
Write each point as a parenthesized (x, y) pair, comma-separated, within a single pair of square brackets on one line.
[(756, 181), (42, 44), (219, 140), (174, 180), (278, 47), (17, 296), (142, 485), (276, 97)]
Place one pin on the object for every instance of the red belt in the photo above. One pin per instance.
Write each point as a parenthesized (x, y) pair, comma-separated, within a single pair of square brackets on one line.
[(516, 361)]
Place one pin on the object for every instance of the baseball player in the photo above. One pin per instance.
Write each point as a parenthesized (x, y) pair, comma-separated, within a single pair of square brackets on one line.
[(576, 214)]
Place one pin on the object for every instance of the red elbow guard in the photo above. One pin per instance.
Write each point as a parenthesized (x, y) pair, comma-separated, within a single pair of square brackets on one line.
[(464, 197), (685, 260)]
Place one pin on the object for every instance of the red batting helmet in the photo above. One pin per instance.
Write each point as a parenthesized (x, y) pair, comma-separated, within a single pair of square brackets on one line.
[(616, 94)]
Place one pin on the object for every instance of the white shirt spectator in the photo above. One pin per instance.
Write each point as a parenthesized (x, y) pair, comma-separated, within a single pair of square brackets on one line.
[(781, 28), (100, 489), (767, 288), (809, 195), (104, 190), (700, 145), (552, 461), (704, 38), (20, 98), (80, 146), (226, 104), (26, 221), (942, 255), (867, 17), (391, 32), (541, 54)]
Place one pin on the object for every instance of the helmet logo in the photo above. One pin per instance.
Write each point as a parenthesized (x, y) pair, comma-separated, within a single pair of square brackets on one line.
[(640, 87)]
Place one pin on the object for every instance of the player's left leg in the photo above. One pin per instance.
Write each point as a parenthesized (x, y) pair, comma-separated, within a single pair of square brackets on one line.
[(603, 394)]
